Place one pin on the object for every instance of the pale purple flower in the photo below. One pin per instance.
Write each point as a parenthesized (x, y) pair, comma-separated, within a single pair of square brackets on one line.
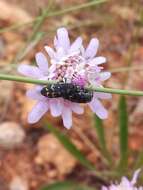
[(71, 63), (125, 184)]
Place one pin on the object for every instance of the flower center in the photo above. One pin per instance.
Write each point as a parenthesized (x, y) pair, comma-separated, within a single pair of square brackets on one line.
[(71, 69)]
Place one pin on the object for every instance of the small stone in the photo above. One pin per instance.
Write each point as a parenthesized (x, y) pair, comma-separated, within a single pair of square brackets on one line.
[(18, 183), (11, 135)]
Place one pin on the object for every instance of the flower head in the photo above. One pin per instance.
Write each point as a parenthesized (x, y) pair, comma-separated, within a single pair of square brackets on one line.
[(70, 63), (125, 184)]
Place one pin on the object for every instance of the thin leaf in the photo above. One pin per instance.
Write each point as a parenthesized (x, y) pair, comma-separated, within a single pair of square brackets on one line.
[(101, 139), (123, 130), (70, 147), (67, 185)]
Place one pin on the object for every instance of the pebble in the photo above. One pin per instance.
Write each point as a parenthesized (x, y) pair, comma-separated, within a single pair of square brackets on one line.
[(11, 135), (18, 183)]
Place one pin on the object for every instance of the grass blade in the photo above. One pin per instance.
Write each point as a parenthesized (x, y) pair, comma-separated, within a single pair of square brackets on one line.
[(70, 147), (123, 130), (66, 185), (101, 139)]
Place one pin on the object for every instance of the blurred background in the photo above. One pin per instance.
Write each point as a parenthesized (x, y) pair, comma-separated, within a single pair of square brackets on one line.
[(93, 152)]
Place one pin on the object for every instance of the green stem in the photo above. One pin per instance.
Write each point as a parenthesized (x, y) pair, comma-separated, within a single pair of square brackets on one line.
[(97, 89), (23, 79), (116, 91)]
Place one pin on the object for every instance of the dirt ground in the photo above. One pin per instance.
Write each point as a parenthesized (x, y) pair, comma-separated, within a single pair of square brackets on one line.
[(30, 156)]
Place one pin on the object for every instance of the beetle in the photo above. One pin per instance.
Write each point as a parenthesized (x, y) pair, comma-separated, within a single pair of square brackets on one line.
[(68, 91)]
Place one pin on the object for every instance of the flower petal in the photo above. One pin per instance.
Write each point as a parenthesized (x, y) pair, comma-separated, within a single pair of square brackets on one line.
[(114, 187), (30, 71), (97, 61), (102, 95), (105, 75), (42, 62), (76, 45), (135, 176), (55, 107), (82, 49), (60, 53), (77, 108), (55, 42), (50, 52), (98, 108), (63, 39), (35, 94), (52, 68), (38, 111), (125, 182), (67, 117), (91, 50), (104, 188)]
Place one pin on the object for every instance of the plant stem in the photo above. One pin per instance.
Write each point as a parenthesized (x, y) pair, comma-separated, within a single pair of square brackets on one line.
[(44, 82), (123, 135), (23, 79), (116, 91)]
